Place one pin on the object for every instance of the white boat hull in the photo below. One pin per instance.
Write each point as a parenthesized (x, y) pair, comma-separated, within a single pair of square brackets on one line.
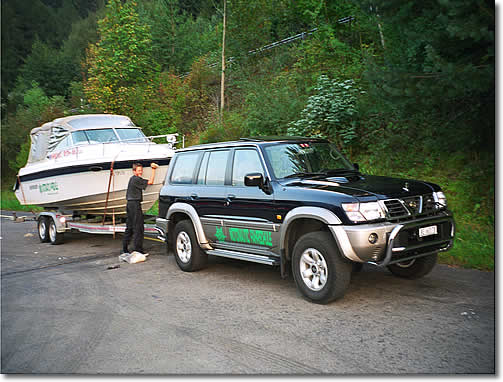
[(88, 192)]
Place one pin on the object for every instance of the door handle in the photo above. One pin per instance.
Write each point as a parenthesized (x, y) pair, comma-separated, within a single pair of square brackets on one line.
[(230, 198)]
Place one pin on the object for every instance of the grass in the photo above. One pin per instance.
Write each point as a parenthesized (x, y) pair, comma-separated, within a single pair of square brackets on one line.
[(154, 210), (9, 202), (468, 183)]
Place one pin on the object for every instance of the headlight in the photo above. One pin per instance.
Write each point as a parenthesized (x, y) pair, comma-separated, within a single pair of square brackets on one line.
[(360, 212), (440, 199)]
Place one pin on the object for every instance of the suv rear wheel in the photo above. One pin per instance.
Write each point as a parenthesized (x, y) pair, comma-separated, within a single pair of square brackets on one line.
[(320, 273), (415, 268), (189, 256)]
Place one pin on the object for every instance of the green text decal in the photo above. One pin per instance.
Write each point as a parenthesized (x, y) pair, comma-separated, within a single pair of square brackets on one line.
[(219, 234), (47, 187), (251, 236)]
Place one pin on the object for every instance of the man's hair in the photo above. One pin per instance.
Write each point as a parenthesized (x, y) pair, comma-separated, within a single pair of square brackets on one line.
[(136, 165)]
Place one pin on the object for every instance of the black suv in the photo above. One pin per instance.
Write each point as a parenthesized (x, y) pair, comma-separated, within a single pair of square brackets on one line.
[(299, 202)]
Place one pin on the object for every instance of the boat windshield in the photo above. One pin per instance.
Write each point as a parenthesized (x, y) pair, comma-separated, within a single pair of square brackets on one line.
[(306, 159), (101, 136), (108, 135), (131, 135)]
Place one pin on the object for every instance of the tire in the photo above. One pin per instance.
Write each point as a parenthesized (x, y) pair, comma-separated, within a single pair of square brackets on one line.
[(319, 271), (43, 229), (357, 267), (415, 268), (188, 255), (54, 236)]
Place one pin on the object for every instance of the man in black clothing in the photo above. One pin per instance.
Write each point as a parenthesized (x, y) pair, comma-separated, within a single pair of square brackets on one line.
[(134, 196)]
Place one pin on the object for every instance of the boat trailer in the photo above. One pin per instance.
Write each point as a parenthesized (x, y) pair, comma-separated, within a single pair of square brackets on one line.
[(52, 225)]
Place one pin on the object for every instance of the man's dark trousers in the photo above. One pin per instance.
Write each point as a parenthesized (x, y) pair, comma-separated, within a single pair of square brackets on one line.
[(134, 226)]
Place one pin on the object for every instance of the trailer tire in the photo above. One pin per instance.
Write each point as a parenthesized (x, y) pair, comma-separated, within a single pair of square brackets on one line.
[(43, 229), (54, 236)]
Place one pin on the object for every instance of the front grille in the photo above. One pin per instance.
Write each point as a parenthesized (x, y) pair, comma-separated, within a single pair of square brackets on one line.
[(429, 204), (395, 208), (410, 207), (413, 205)]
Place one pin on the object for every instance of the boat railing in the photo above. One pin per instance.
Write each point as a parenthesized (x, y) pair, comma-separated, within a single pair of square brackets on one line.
[(171, 140)]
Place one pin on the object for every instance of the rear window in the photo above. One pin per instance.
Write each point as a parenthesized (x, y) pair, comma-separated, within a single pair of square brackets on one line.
[(184, 168)]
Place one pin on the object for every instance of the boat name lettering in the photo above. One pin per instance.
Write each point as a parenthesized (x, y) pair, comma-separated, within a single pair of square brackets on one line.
[(252, 236), (65, 153), (47, 187)]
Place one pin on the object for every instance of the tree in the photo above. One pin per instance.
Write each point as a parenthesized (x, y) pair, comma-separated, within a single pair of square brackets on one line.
[(35, 109), (436, 73), (179, 37), (121, 61), (23, 22), (330, 112), (49, 68)]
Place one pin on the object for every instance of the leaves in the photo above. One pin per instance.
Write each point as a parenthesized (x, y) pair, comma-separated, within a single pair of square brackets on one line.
[(330, 112)]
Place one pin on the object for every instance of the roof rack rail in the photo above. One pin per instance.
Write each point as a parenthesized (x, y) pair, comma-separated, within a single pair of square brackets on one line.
[(252, 139)]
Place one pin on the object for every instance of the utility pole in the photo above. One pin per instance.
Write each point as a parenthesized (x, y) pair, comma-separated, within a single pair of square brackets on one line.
[(379, 26), (222, 83)]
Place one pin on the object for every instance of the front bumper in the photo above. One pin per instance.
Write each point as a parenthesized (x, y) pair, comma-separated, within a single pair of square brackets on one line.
[(396, 242)]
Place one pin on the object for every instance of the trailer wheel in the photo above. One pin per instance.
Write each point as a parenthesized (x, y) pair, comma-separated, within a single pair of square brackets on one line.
[(43, 229), (54, 236)]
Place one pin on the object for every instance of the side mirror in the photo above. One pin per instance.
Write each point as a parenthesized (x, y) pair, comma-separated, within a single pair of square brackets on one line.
[(356, 166), (255, 179)]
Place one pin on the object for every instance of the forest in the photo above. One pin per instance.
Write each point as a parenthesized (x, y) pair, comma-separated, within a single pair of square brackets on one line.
[(404, 88)]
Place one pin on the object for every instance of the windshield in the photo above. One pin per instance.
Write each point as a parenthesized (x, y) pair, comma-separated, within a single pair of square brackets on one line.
[(131, 135), (101, 135), (298, 159)]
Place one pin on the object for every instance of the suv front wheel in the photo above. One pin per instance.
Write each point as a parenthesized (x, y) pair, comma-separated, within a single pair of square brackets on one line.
[(320, 273), (189, 256)]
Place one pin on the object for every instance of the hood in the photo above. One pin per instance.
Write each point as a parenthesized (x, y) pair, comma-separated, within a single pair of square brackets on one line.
[(381, 187)]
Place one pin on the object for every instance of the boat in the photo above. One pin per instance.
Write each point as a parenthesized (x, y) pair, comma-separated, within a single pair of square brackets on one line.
[(81, 165)]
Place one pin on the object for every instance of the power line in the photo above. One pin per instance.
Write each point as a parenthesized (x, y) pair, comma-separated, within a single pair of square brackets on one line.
[(288, 40)]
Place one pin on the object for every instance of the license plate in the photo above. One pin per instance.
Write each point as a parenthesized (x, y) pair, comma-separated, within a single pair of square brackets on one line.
[(428, 231)]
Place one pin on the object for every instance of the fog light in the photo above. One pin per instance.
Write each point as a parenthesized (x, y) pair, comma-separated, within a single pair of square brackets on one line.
[(62, 219), (373, 238)]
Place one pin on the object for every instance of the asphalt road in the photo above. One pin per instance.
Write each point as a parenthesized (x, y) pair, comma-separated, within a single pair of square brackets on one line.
[(64, 311)]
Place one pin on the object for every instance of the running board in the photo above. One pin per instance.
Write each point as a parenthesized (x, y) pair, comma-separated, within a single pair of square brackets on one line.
[(244, 256)]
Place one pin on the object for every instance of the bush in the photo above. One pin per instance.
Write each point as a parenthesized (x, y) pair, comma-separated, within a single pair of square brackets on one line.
[(231, 128)]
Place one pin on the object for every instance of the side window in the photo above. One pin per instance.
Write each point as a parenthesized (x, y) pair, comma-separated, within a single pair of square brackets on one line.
[(184, 168), (245, 162), (217, 164), (201, 178)]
